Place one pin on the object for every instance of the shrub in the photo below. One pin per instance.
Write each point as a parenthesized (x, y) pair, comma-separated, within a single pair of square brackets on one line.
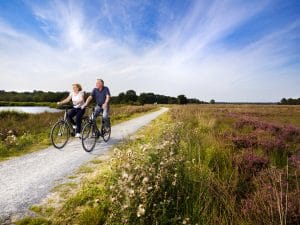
[(250, 163), (146, 189), (275, 201), (244, 141), (294, 160)]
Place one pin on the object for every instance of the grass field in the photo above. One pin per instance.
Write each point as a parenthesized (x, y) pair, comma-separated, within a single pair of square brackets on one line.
[(22, 133), (197, 164)]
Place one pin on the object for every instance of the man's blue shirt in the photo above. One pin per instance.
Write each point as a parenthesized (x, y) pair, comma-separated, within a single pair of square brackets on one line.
[(100, 96)]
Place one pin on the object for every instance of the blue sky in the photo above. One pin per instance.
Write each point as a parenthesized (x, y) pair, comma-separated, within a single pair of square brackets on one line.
[(223, 50)]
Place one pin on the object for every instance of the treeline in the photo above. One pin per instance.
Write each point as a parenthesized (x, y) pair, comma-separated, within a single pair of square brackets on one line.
[(290, 101), (35, 96), (128, 97)]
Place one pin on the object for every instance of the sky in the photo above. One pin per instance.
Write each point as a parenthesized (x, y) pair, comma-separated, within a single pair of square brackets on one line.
[(227, 50)]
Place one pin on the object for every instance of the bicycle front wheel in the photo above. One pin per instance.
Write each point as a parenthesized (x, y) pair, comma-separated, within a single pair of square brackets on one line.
[(89, 137), (85, 120), (60, 134)]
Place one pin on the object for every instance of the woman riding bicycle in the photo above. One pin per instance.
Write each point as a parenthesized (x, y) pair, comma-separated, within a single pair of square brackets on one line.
[(77, 97)]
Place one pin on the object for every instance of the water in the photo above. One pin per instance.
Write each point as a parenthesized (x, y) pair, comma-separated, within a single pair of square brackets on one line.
[(29, 109)]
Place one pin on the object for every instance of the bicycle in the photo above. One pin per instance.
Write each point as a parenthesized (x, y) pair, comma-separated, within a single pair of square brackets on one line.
[(91, 133), (63, 129)]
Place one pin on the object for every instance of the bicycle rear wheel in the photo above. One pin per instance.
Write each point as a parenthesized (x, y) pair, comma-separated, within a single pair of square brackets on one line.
[(89, 137), (106, 131), (60, 134)]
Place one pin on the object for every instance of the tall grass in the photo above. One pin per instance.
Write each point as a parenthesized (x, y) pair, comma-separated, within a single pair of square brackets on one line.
[(198, 165), (217, 181), (23, 132), (245, 167)]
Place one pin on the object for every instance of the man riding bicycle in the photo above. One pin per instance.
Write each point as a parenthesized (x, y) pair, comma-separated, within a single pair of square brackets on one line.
[(102, 96)]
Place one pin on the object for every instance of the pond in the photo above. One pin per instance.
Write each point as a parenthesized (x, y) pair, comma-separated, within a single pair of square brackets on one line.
[(29, 109)]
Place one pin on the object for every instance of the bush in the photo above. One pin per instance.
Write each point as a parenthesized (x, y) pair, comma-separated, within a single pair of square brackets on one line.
[(275, 201)]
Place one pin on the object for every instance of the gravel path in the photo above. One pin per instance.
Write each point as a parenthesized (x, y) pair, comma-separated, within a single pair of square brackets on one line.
[(26, 180)]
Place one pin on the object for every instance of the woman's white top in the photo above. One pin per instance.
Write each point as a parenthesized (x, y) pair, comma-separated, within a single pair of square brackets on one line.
[(77, 99)]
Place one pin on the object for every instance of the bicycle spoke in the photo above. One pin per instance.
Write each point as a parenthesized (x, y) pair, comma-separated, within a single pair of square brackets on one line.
[(106, 131), (60, 134), (89, 137)]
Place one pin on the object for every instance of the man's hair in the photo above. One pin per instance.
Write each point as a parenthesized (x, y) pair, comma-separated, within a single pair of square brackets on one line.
[(102, 81)]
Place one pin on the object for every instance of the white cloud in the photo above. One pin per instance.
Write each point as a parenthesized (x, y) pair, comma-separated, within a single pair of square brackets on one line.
[(187, 59)]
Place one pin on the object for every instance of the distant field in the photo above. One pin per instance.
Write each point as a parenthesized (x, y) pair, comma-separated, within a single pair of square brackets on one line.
[(22, 132), (197, 164)]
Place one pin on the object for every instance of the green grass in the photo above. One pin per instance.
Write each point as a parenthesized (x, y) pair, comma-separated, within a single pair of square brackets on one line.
[(184, 168), (22, 133), (96, 161), (33, 221), (85, 169), (89, 201)]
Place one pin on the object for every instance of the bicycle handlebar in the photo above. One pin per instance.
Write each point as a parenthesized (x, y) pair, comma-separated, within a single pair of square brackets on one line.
[(64, 107)]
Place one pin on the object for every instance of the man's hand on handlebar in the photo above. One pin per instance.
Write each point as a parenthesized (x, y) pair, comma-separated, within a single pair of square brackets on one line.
[(104, 106)]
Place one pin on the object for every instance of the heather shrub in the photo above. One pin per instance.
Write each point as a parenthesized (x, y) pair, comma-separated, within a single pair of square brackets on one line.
[(275, 200)]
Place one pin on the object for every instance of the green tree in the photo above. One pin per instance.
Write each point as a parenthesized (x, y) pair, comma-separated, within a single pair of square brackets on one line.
[(121, 98), (147, 98), (131, 96), (283, 101), (182, 99)]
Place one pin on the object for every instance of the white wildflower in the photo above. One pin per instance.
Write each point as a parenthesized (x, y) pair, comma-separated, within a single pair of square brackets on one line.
[(140, 211), (124, 175), (145, 180)]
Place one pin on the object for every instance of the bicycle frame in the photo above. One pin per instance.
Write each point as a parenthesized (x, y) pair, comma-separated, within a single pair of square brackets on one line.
[(65, 118), (92, 131), (63, 127), (93, 119)]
